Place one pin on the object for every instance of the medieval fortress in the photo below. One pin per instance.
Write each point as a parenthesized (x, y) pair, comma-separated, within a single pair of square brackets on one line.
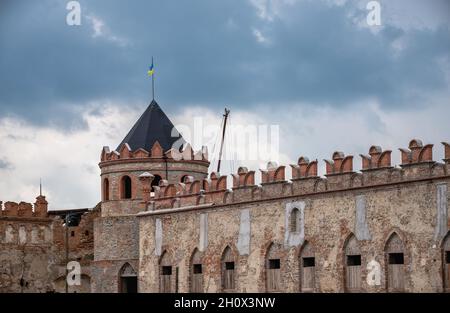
[(167, 225)]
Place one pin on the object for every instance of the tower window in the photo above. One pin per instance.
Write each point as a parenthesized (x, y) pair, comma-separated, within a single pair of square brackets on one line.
[(126, 187), (106, 189), (155, 182)]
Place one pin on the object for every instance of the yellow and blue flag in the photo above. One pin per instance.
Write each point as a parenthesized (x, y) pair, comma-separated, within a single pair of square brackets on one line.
[(150, 70)]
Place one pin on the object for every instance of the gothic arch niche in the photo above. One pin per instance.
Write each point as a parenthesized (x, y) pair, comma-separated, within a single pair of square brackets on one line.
[(273, 268), (294, 225), (352, 267), (196, 272), (165, 273), (307, 263), (125, 187), (446, 262), (228, 270), (394, 250), (127, 279), (106, 189)]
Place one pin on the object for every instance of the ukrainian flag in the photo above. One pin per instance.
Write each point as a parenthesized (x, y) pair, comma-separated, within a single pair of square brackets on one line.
[(151, 70)]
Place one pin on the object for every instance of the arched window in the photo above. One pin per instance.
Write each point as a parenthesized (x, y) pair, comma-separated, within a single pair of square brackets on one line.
[(155, 182), (352, 265), (183, 178), (127, 279), (395, 264), (446, 263), (165, 272), (228, 272), (273, 268), (307, 268), (105, 189), (126, 187), (196, 270), (294, 226)]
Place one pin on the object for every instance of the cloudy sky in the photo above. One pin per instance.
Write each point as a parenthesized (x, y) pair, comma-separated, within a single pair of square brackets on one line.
[(314, 68)]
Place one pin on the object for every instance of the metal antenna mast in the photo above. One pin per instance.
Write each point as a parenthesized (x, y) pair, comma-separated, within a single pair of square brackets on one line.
[(225, 116)]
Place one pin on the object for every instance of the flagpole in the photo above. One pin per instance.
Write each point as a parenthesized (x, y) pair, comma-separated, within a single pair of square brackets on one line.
[(153, 82)]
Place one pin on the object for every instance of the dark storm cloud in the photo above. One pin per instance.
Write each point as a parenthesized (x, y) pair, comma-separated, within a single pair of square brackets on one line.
[(206, 52)]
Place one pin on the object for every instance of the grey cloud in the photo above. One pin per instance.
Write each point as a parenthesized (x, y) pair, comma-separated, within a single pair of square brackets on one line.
[(315, 55)]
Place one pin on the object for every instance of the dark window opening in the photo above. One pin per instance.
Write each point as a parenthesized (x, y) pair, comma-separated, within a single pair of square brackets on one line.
[(72, 234), (396, 258), (176, 279), (106, 190), (309, 262), (167, 270), (353, 260), (183, 178), (155, 182), (86, 233), (197, 268), (229, 265), (447, 257), (129, 284), (126, 187), (274, 264)]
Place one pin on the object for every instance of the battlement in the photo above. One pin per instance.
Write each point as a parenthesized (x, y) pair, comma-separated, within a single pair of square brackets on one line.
[(156, 153), (24, 209), (416, 164)]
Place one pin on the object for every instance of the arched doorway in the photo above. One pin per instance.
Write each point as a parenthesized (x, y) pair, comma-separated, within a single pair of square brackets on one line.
[(446, 262), (127, 279), (395, 264), (273, 268), (352, 265), (307, 268), (196, 269), (228, 270)]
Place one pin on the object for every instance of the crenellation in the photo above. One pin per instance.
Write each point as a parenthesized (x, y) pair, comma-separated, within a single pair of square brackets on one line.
[(376, 159), (25, 209), (304, 168), (11, 208), (376, 170), (446, 152)]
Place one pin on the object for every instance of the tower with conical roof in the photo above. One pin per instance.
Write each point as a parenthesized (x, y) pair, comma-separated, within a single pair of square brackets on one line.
[(152, 154)]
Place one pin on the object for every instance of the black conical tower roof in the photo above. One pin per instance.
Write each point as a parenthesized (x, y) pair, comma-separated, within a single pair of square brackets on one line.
[(152, 126)]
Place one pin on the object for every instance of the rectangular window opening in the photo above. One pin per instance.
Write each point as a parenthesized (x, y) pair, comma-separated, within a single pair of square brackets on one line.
[(396, 258), (274, 264), (167, 270), (309, 262), (353, 260), (447, 257), (197, 268), (229, 265)]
